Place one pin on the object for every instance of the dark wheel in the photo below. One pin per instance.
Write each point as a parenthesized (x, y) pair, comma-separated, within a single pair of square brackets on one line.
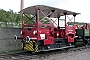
[(23, 45), (85, 42)]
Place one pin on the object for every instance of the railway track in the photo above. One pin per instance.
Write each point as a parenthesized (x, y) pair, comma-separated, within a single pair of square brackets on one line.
[(28, 56)]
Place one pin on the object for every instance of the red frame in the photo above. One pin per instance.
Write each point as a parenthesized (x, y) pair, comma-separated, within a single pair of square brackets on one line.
[(51, 32), (66, 32)]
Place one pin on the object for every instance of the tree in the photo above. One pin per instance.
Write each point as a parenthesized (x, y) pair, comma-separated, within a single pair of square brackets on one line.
[(9, 18)]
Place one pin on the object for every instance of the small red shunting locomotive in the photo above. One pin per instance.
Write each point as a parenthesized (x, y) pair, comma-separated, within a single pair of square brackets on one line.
[(40, 36)]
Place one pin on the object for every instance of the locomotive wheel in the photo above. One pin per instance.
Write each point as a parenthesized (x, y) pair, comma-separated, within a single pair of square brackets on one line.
[(23, 45), (85, 42)]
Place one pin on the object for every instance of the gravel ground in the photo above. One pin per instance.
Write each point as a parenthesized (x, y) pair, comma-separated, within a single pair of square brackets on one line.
[(82, 53), (75, 55)]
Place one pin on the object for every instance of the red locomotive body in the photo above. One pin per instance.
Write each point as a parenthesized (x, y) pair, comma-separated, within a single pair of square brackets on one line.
[(44, 36)]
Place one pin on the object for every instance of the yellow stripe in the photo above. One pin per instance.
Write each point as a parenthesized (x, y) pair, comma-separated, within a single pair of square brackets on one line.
[(36, 45), (29, 46)]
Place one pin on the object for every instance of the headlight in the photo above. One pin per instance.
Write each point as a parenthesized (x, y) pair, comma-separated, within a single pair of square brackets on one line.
[(34, 32), (21, 32), (57, 34)]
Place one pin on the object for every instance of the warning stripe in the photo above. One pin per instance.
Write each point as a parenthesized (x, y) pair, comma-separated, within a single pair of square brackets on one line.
[(36, 48), (31, 48), (31, 42), (30, 45)]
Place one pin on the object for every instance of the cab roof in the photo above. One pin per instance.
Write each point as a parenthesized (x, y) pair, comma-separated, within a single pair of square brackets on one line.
[(46, 9)]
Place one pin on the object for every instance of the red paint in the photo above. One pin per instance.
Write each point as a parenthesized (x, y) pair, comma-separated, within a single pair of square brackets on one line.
[(34, 30), (70, 39), (70, 33), (49, 41)]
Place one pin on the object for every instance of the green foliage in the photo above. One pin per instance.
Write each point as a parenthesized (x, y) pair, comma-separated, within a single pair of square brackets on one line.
[(13, 19), (9, 19), (29, 19), (45, 20)]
